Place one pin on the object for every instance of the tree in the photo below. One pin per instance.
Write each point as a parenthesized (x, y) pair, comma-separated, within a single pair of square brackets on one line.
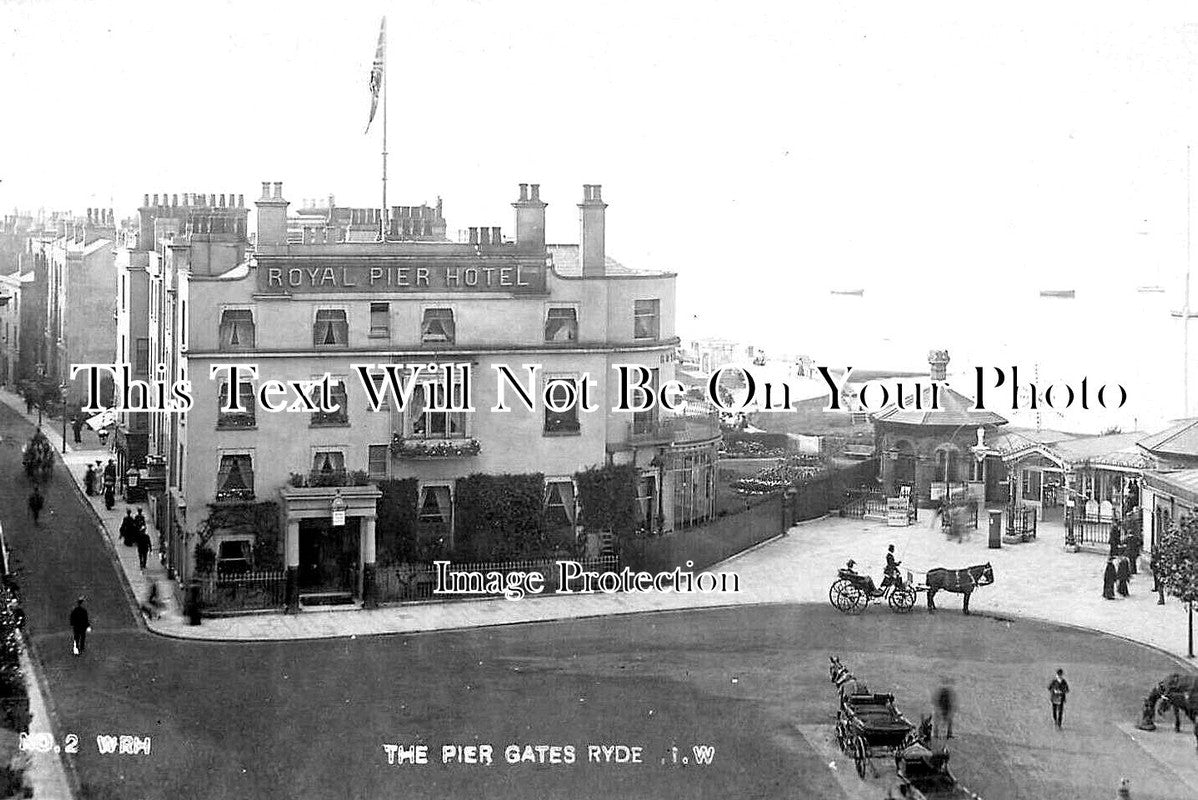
[(1177, 565)]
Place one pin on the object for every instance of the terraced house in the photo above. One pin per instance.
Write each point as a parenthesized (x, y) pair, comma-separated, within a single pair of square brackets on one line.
[(324, 298)]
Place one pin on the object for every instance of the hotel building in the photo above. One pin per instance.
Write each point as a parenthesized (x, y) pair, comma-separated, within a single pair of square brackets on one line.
[(319, 299)]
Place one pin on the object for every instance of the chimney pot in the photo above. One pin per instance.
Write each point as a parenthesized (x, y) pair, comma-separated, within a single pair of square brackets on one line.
[(145, 203), (938, 363), (155, 201), (536, 192), (241, 201), (597, 193), (265, 190), (174, 200), (278, 190), (523, 191), (496, 236), (222, 201), (474, 236)]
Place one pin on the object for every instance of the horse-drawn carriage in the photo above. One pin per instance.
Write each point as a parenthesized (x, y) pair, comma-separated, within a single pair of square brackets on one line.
[(38, 458), (852, 592), (869, 726)]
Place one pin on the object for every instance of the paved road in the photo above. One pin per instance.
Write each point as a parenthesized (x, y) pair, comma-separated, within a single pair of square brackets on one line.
[(309, 719)]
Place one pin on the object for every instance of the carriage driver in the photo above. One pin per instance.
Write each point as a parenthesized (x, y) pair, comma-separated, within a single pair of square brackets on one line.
[(891, 574)]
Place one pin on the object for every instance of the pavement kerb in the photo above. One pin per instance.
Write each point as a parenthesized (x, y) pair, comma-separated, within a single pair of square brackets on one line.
[(1188, 666), (41, 688)]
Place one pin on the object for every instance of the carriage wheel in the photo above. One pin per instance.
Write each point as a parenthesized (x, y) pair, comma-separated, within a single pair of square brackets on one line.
[(836, 594), (855, 600), (902, 600), (860, 757)]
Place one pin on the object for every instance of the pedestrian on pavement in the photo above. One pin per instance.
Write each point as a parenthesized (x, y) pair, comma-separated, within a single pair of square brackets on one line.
[(143, 548), (1108, 579), (109, 496), (152, 607), (28, 402), (945, 704), (80, 625), (140, 522), (1122, 575), (36, 502), (1058, 688), (1155, 565), (77, 428), (89, 481), (128, 528), (1116, 538), (1133, 545)]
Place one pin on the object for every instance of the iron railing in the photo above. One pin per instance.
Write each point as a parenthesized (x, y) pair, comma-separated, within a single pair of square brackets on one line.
[(243, 591)]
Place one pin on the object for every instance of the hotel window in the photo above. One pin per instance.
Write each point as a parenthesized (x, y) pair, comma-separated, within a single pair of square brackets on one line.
[(646, 319), (226, 420), (437, 325), (646, 499), (235, 478), (561, 325), (434, 513), (645, 422), (141, 357), (237, 329), (560, 508), (331, 328), (328, 465), (233, 557), (379, 382), (429, 423), (1031, 484), (378, 456), (340, 399), (561, 422), (380, 320)]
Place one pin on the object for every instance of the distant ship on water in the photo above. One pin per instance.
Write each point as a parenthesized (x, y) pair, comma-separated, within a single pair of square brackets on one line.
[(1154, 289), (1066, 294), (849, 292)]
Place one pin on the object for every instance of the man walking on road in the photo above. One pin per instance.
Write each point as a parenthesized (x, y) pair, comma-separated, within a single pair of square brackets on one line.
[(1058, 688), (944, 711), (36, 502), (80, 625)]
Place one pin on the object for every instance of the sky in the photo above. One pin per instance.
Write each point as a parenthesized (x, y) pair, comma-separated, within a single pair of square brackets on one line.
[(765, 151)]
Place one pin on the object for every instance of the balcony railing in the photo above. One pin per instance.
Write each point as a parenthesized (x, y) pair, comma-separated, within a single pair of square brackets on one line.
[(226, 495), (693, 427)]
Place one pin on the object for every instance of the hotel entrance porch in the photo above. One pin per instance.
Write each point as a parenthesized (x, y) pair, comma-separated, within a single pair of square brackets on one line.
[(329, 545)]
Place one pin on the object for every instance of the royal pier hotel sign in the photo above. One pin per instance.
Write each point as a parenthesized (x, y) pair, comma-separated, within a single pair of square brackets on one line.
[(293, 276)]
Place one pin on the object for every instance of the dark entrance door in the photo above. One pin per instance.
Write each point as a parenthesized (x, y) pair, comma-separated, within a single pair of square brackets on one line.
[(328, 556)]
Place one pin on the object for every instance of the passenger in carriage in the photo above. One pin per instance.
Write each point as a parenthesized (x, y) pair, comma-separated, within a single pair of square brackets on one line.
[(870, 586)]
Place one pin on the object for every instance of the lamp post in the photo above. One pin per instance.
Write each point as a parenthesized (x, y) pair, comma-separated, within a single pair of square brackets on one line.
[(63, 390)]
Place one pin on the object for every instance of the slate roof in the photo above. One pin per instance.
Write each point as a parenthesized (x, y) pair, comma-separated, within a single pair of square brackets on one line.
[(1179, 439), (566, 261), (1183, 483), (955, 409), (1111, 450)]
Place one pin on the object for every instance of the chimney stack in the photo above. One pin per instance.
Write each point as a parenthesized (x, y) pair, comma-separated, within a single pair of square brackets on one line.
[(530, 218), (938, 363), (272, 216), (591, 212)]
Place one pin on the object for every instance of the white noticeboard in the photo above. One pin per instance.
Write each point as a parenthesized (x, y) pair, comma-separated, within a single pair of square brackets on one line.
[(338, 517), (896, 512)]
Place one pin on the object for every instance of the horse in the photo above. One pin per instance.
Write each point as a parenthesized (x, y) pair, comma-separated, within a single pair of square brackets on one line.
[(846, 683), (958, 581), (1177, 691)]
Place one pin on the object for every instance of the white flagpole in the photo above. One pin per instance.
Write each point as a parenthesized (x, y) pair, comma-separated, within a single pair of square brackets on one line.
[(383, 218)]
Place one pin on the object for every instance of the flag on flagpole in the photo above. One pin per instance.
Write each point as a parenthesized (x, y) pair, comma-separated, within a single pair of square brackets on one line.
[(376, 72)]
